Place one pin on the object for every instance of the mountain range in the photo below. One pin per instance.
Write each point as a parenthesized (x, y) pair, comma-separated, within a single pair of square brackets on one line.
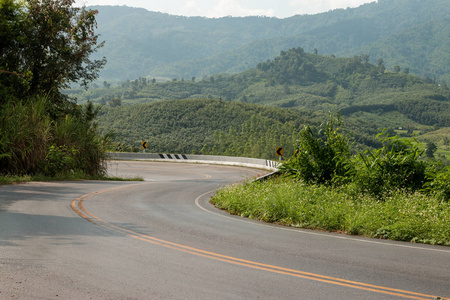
[(411, 34)]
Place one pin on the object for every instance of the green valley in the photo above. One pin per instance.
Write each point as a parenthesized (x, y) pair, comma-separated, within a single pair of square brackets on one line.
[(369, 98)]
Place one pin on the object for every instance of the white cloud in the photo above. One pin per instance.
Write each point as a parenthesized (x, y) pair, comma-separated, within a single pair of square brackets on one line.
[(317, 6), (233, 8), (191, 8)]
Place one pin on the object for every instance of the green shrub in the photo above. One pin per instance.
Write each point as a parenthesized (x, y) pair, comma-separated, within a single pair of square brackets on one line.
[(322, 157), (79, 131), (59, 160), (397, 165), (439, 184)]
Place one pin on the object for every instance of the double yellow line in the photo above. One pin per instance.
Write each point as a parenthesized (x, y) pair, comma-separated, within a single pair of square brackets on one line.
[(77, 206)]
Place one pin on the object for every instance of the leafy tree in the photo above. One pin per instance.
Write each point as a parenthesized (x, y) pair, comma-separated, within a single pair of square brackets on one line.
[(11, 16), (44, 46), (49, 42), (446, 141), (114, 102), (365, 58), (427, 79), (381, 67), (430, 149)]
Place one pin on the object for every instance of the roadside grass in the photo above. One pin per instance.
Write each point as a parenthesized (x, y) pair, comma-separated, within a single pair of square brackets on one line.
[(14, 179), (62, 177), (400, 216)]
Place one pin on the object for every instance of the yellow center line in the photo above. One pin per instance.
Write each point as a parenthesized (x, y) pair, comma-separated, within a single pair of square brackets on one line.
[(77, 206)]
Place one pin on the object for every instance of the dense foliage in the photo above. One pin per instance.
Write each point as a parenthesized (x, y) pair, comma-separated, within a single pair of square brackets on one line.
[(399, 164), (203, 126), (45, 45), (431, 37), (48, 46), (324, 157), (297, 79)]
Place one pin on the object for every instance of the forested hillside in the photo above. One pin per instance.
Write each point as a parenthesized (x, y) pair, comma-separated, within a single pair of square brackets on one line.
[(143, 43), (369, 98), (422, 49), (204, 126), (300, 80)]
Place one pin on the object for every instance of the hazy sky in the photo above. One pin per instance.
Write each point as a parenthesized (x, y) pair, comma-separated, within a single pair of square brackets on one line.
[(235, 8)]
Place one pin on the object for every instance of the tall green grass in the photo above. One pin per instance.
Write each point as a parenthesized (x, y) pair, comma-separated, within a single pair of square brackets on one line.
[(400, 216), (32, 141), (25, 134)]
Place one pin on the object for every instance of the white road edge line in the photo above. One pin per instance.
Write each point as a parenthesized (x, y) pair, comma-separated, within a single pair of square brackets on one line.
[(305, 231)]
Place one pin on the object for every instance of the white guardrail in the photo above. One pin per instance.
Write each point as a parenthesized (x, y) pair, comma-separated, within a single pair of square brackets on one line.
[(206, 159)]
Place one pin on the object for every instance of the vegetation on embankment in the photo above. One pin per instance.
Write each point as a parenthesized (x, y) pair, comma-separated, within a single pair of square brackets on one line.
[(401, 216), (394, 192), (8, 179), (33, 143)]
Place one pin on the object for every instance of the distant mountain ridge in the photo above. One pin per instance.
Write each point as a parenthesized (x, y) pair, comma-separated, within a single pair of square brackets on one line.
[(142, 43)]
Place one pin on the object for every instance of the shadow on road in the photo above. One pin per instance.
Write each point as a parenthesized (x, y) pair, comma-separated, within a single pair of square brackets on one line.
[(42, 209)]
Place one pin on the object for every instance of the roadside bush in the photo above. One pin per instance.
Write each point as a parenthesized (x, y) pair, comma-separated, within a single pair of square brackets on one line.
[(79, 131), (397, 165), (439, 184), (322, 157), (59, 159), (388, 193)]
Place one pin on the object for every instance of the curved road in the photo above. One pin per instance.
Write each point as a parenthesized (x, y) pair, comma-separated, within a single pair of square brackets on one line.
[(161, 239)]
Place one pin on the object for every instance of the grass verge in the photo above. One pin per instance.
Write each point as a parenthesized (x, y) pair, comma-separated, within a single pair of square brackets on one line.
[(67, 177), (404, 217)]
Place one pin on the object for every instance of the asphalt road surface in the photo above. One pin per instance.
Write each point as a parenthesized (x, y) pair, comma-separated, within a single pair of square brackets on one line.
[(162, 239)]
